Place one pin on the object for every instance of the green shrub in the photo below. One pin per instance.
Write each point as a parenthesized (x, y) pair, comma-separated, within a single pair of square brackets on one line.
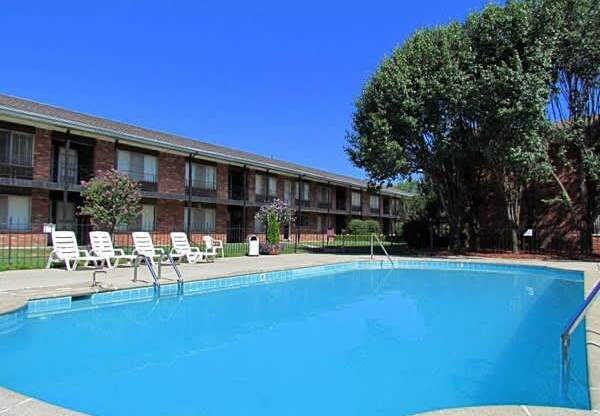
[(273, 232), (372, 226), (357, 227)]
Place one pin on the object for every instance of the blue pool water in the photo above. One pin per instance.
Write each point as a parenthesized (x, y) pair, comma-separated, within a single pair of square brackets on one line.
[(351, 340)]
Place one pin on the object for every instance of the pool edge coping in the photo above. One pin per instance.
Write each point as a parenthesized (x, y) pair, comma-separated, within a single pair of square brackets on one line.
[(43, 408)]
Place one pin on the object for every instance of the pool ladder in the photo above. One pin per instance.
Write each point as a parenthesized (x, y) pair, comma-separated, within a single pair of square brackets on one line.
[(375, 237), (157, 276), (565, 337)]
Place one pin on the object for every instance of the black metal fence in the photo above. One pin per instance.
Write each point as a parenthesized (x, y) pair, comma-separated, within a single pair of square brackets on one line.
[(23, 248)]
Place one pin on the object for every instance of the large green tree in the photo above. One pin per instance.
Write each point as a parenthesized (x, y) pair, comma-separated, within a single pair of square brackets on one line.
[(575, 105), (512, 70), (413, 117)]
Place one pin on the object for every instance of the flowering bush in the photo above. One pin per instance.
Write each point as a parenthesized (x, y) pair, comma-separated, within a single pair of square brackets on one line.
[(282, 212), (110, 198), (273, 215)]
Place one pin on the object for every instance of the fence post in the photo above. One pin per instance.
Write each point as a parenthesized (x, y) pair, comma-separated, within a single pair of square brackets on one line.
[(10, 241)]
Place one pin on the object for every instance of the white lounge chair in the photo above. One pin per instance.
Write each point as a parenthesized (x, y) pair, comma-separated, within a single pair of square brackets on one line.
[(102, 246), (212, 245), (144, 246), (182, 248), (65, 250)]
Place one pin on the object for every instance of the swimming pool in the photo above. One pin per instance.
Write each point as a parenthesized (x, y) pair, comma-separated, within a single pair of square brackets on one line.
[(354, 339)]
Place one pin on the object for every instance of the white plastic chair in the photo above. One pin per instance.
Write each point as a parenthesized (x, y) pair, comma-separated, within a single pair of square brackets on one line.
[(212, 245), (182, 248), (144, 246), (102, 246), (65, 249)]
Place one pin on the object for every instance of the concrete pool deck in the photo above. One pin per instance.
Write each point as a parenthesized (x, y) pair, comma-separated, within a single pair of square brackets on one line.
[(19, 286)]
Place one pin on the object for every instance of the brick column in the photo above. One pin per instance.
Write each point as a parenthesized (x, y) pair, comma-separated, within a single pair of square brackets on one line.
[(171, 173), (40, 208), (104, 156), (596, 245), (42, 154), (365, 203), (332, 197), (251, 191), (221, 222), (169, 215), (222, 182)]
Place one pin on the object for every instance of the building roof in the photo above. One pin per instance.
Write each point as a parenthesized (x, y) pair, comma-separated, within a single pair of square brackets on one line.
[(34, 111)]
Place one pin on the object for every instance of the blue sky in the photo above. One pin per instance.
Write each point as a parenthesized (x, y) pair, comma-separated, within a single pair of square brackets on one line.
[(276, 78)]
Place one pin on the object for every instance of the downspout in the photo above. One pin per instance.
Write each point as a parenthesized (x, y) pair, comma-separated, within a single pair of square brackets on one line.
[(244, 192)]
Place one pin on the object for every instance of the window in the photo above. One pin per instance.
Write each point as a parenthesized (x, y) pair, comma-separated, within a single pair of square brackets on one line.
[(137, 166), (71, 167), (16, 154), (323, 194), (203, 176), (303, 221), (259, 185), (203, 219), (322, 223), (287, 191), (144, 222), (15, 212), (65, 214), (374, 201), (272, 186), (356, 199), (305, 191)]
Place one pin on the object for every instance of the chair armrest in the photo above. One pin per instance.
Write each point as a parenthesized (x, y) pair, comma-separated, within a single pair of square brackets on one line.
[(120, 250), (195, 249)]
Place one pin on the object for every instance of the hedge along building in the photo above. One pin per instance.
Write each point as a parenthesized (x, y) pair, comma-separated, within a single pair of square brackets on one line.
[(46, 151)]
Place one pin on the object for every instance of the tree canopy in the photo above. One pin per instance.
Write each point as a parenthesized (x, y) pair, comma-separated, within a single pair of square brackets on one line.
[(467, 105)]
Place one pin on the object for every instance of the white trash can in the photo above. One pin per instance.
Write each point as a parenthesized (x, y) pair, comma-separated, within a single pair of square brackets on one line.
[(253, 245)]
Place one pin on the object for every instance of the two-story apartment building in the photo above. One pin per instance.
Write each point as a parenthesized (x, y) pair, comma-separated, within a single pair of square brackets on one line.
[(46, 151)]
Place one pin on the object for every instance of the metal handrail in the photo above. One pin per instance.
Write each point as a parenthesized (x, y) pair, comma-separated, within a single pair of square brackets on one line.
[(148, 262), (578, 317), (374, 236), (171, 261)]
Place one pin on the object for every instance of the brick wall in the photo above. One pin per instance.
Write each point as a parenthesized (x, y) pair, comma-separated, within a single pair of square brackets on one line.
[(222, 182), (332, 197), (365, 203), (171, 173), (169, 215), (104, 156), (40, 208), (596, 245), (221, 222), (42, 154)]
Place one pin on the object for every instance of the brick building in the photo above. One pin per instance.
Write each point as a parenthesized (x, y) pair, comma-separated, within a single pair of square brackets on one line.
[(45, 153)]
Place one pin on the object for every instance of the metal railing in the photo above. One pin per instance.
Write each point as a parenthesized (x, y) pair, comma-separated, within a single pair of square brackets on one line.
[(565, 337), (148, 262), (171, 262), (375, 237)]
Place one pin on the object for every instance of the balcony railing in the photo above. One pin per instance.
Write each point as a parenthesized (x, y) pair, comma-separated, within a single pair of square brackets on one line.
[(202, 187), (147, 180), (72, 175), (374, 210), (302, 202), (356, 208), (15, 171), (265, 198), (340, 205), (323, 204)]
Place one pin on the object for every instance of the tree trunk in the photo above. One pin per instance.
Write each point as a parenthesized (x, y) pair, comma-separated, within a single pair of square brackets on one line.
[(513, 193)]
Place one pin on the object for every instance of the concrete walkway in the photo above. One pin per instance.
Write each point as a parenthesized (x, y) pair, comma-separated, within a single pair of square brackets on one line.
[(16, 287)]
